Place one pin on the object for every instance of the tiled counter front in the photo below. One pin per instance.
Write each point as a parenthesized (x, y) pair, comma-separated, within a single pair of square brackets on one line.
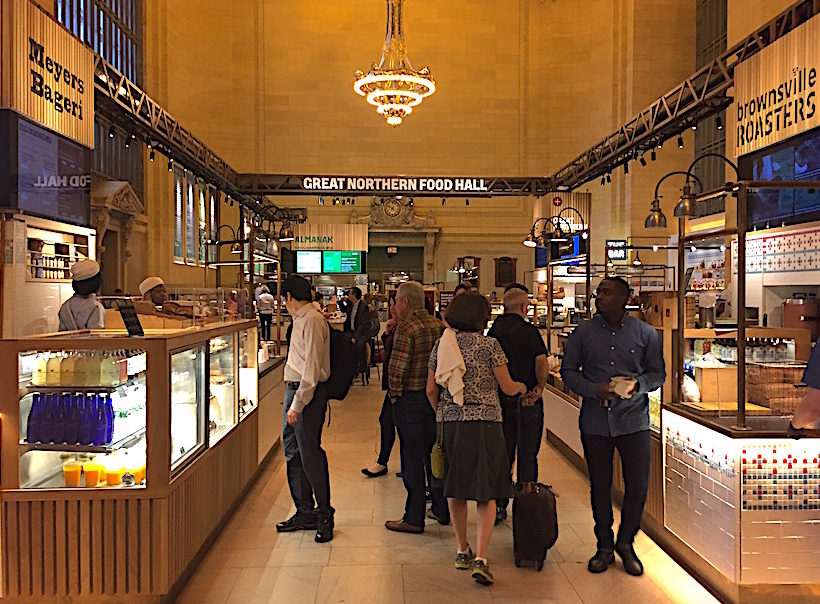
[(750, 507)]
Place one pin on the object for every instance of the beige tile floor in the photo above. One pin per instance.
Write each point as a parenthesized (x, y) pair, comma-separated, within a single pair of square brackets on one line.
[(250, 563)]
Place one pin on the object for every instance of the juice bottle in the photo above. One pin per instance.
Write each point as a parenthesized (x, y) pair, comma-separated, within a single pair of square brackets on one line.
[(67, 371), (113, 471), (71, 473), (123, 366), (109, 372), (38, 373), (93, 372), (93, 472), (81, 370), (53, 370)]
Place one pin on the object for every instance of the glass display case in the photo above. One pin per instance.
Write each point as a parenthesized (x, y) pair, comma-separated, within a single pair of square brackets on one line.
[(82, 418), (248, 372), (187, 405), (222, 407)]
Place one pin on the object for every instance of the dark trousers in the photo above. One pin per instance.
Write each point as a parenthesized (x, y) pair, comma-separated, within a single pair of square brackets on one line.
[(388, 431), (416, 425), (532, 429), (267, 320), (308, 475), (635, 453)]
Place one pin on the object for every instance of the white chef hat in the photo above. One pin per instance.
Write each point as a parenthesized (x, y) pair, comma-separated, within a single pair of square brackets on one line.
[(150, 283), (84, 269)]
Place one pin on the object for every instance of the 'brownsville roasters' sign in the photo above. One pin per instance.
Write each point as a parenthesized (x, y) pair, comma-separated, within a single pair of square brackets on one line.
[(48, 73), (776, 90)]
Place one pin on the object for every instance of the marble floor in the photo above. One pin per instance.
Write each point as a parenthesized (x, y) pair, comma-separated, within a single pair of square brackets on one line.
[(251, 563)]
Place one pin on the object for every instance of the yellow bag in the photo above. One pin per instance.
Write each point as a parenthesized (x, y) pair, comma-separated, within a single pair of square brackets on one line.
[(438, 461)]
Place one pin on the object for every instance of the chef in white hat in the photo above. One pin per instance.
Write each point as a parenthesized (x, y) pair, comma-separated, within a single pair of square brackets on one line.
[(153, 291), (83, 310)]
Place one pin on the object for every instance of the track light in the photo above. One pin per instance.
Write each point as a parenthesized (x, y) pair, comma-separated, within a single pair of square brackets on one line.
[(603, 180), (655, 248), (127, 142), (694, 126), (151, 155), (411, 202), (626, 168), (680, 141), (443, 201), (656, 217), (693, 249), (133, 135), (637, 260), (111, 131), (170, 165), (660, 143), (719, 123), (643, 161), (653, 156), (609, 177), (468, 201)]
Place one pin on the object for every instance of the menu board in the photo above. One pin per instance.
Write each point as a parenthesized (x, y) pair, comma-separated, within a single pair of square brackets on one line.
[(445, 299), (344, 263), (308, 262), (52, 176), (130, 318)]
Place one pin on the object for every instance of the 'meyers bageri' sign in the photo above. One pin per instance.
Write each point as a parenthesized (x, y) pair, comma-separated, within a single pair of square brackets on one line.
[(776, 90)]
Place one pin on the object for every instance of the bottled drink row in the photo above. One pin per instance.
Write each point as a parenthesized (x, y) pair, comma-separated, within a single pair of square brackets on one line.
[(112, 470), (86, 368), (758, 350), (73, 419)]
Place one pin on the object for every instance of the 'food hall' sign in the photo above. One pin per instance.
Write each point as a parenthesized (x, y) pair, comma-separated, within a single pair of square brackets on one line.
[(776, 90), (375, 185), (52, 80)]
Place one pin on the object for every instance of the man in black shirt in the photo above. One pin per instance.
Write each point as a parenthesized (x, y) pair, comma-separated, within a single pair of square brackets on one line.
[(527, 362)]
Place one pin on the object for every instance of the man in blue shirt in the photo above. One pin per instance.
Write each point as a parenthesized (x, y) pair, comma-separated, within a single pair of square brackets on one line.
[(615, 413)]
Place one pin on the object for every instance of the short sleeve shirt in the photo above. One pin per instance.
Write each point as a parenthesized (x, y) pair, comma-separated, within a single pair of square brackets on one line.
[(811, 376), (481, 356), (522, 343)]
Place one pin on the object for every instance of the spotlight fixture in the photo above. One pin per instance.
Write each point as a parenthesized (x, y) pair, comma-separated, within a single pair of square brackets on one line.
[(660, 143), (643, 161), (443, 201), (654, 248), (321, 200), (694, 249), (529, 240), (680, 141), (719, 123), (128, 142), (151, 155), (111, 131), (335, 201), (585, 235), (411, 202), (468, 201), (626, 168), (694, 126), (353, 201), (236, 248), (170, 165), (637, 260), (133, 135), (609, 177), (653, 156), (603, 181), (656, 217), (231, 198)]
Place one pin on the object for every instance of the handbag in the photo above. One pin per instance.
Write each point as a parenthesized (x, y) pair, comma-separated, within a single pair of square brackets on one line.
[(438, 461)]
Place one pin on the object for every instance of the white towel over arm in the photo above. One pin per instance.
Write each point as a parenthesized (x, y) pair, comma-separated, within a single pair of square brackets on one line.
[(450, 367)]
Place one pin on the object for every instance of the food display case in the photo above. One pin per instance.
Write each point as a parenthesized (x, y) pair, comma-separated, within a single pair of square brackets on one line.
[(117, 464)]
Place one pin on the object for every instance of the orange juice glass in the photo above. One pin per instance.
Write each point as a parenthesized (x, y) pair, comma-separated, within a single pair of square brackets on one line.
[(113, 477), (71, 473), (93, 472)]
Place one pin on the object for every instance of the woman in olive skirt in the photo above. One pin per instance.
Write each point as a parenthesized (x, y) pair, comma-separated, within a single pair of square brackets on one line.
[(477, 466)]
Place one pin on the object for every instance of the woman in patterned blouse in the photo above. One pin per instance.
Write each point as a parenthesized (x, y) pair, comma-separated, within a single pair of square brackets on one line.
[(477, 464)]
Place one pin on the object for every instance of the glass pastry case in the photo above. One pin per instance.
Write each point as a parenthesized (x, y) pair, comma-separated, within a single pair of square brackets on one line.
[(222, 404)]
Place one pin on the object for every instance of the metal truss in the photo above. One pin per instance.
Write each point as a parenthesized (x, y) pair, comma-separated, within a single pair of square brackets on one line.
[(291, 184), (126, 104), (697, 97)]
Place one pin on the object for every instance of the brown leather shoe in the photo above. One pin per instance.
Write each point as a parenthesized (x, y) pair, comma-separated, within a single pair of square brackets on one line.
[(400, 526)]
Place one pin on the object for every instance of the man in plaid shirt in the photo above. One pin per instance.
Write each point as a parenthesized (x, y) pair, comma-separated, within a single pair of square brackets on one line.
[(415, 420)]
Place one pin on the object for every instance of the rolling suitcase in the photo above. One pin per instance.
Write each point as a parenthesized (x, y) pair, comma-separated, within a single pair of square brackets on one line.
[(535, 518)]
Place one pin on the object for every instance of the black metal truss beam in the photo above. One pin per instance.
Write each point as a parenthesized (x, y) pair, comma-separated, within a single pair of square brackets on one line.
[(292, 184), (697, 97), (122, 102)]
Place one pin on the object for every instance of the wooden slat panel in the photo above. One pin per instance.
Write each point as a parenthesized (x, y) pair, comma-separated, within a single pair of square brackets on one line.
[(84, 520), (121, 558), (98, 526), (110, 532), (12, 549), (36, 533), (24, 534), (61, 549), (132, 545), (49, 549), (145, 549), (73, 538)]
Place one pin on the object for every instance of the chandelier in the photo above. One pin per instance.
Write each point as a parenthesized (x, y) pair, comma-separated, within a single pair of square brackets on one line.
[(394, 87)]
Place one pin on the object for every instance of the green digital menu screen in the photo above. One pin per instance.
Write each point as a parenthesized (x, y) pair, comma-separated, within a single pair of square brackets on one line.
[(342, 263)]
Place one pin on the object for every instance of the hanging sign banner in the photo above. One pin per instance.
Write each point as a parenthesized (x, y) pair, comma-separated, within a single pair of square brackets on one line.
[(776, 90), (343, 237), (48, 75), (399, 185)]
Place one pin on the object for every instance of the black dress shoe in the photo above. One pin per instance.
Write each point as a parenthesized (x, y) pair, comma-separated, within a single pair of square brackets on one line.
[(500, 515), (631, 563), (297, 523), (601, 561), (324, 530), (370, 474)]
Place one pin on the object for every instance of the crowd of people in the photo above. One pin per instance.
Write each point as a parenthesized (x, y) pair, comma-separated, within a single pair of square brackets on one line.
[(447, 382)]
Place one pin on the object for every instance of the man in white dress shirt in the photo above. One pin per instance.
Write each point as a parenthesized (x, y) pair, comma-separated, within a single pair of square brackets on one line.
[(305, 406)]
